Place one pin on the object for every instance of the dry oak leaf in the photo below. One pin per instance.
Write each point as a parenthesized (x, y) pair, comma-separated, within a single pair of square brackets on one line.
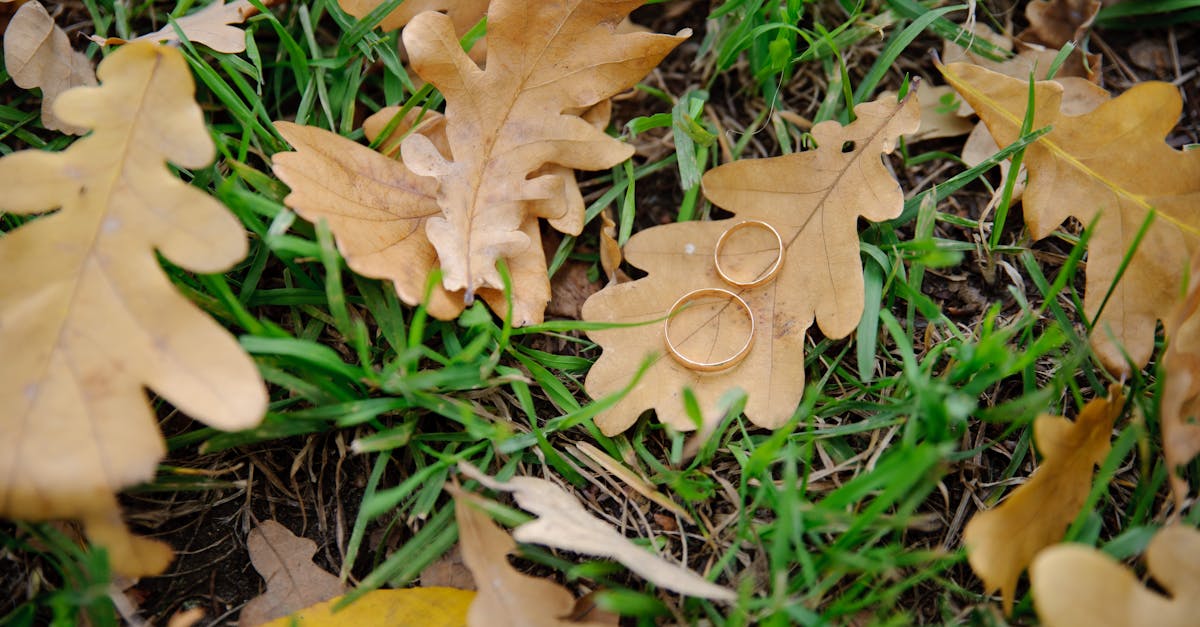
[(563, 523), (546, 63), (1001, 542), (507, 597), (294, 582), (813, 199), (212, 26), (1076, 585), (95, 317), (1180, 403), (405, 607), (939, 114), (37, 53), (1111, 166), (377, 208)]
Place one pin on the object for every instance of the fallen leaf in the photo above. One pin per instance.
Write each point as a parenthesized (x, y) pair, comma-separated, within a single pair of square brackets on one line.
[(1052, 23), (212, 26), (294, 582), (506, 597), (940, 116), (97, 319), (1078, 585), (610, 249), (1111, 167), (1029, 59), (448, 571), (505, 122), (37, 54), (408, 607), (1002, 542), (813, 199), (1180, 402), (563, 523)]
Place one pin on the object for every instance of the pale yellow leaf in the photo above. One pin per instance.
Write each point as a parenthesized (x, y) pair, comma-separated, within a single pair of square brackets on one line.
[(1003, 541), (37, 54), (294, 582), (96, 318), (1075, 585), (464, 13), (408, 607), (507, 598), (1110, 167), (564, 524), (545, 63), (212, 26), (814, 200)]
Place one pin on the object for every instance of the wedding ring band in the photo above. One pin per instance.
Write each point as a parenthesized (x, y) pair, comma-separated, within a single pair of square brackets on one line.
[(761, 279), (708, 366)]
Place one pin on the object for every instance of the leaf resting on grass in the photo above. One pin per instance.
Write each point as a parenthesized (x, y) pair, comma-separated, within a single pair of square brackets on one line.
[(813, 199), (96, 318), (1002, 541), (37, 54), (563, 523), (1111, 167), (1180, 402), (1079, 585), (212, 26)]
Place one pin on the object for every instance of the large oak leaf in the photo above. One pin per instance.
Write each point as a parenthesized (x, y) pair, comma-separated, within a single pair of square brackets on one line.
[(1111, 167), (87, 316), (813, 199), (546, 61)]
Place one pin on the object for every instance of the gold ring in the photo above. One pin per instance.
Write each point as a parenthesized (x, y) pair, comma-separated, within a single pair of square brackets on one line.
[(708, 366), (761, 279)]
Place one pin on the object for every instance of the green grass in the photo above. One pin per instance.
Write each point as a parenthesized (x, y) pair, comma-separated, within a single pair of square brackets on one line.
[(850, 511)]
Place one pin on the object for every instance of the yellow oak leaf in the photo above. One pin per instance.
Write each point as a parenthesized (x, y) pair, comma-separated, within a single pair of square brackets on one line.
[(1180, 402), (1002, 541), (294, 581), (1112, 167), (563, 523), (813, 201), (38, 54), (407, 607), (507, 597), (545, 63), (93, 314), (1079, 585), (212, 26)]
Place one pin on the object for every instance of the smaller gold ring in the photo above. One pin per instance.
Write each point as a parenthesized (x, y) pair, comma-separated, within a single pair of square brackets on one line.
[(708, 366), (762, 279)]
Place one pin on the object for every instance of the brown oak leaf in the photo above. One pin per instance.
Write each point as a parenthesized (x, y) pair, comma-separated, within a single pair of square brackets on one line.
[(1078, 585), (1001, 542), (1052, 23), (545, 62), (38, 54), (294, 582), (95, 316), (212, 26), (1111, 166), (813, 200), (464, 13)]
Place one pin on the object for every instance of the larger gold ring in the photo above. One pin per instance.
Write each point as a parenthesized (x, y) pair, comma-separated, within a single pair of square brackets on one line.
[(762, 278), (708, 366)]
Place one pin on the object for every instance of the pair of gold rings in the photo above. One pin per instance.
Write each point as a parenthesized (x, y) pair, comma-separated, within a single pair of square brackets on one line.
[(762, 279)]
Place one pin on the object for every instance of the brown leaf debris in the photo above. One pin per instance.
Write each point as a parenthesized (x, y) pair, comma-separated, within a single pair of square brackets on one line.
[(294, 582), (37, 54)]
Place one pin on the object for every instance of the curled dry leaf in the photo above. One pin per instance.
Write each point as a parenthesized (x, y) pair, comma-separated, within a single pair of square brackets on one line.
[(1002, 541), (1180, 403), (96, 317), (1052, 23), (1117, 179), (813, 199), (38, 54), (507, 598), (212, 26), (1079, 585), (563, 523), (294, 582), (406, 607), (546, 62)]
